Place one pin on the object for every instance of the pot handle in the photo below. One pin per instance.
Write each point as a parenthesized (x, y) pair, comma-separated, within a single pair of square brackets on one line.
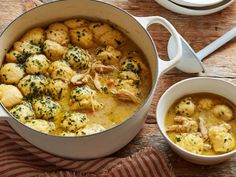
[(3, 113), (164, 66)]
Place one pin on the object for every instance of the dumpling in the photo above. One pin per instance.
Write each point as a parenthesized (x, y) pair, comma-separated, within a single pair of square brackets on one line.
[(83, 98), (83, 92), (35, 36), (27, 48), (191, 142), (67, 133), (76, 23), (108, 55), (127, 90), (137, 61), (92, 129), (99, 29), (127, 85), (53, 50), (73, 121), (61, 70), (58, 32), (81, 37), (129, 75), (221, 139), (36, 64), (205, 104), (57, 88), (15, 57), (77, 58), (32, 85), (45, 108), (23, 112), (223, 112), (10, 95), (185, 107), (11, 73), (131, 65), (41, 125), (113, 38), (58, 27)]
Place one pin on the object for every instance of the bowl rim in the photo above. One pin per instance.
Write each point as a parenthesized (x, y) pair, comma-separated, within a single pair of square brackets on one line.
[(141, 106), (186, 11), (199, 3), (171, 89)]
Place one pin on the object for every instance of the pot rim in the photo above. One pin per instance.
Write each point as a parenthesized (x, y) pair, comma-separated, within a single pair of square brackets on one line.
[(167, 137), (154, 80)]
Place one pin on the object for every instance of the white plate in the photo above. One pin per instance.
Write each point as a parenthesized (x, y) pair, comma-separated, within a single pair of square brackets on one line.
[(186, 11), (197, 3)]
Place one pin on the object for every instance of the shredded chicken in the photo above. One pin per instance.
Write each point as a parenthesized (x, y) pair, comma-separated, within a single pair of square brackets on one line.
[(126, 95), (100, 68), (97, 83), (81, 78), (203, 128), (186, 125)]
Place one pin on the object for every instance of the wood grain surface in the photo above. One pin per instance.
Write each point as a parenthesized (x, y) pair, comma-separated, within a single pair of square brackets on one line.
[(198, 31)]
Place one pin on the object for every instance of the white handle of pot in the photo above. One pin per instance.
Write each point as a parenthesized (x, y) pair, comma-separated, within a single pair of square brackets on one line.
[(164, 66), (3, 113)]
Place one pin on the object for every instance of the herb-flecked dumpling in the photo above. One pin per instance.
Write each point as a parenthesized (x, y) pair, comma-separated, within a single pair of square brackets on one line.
[(41, 125), (57, 88), (185, 107), (35, 36), (27, 48), (83, 98), (32, 85), (78, 58), (53, 50), (108, 55), (73, 121), (61, 70), (45, 108), (36, 64), (23, 112), (11, 73), (15, 57), (58, 32), (82, 37), (221, 139), (223, 112), (113, 38)]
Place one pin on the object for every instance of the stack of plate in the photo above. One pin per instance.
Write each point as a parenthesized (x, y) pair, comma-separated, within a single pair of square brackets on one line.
[(195, 7)]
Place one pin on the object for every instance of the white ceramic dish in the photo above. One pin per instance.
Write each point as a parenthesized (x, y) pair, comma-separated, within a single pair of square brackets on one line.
[(189, 86), (111, 140), (197, 3), (191, 62), (186, 11)]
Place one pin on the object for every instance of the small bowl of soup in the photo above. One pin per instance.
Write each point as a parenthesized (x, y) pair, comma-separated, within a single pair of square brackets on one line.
[(197, 117)]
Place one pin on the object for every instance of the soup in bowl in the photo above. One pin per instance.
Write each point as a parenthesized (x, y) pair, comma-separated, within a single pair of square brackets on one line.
[(197, 118), (202, 123)]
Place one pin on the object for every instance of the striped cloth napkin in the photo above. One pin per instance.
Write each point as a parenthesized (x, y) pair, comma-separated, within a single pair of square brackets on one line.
[(18, 158)]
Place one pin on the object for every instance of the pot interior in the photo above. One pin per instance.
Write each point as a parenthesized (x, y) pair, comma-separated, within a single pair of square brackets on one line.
[(61, 10)]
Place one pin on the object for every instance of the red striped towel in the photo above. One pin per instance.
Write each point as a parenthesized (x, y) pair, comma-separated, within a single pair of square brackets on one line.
[(18, 158)]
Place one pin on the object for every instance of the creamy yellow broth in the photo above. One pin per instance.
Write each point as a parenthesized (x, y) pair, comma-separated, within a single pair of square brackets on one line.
[(210, 119), (114, 109)]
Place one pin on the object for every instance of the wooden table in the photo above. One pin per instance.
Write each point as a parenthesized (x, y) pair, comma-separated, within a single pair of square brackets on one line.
[(198, 31)]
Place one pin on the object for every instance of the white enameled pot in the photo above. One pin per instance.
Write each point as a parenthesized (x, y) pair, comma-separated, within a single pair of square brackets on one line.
[(111, 140)]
